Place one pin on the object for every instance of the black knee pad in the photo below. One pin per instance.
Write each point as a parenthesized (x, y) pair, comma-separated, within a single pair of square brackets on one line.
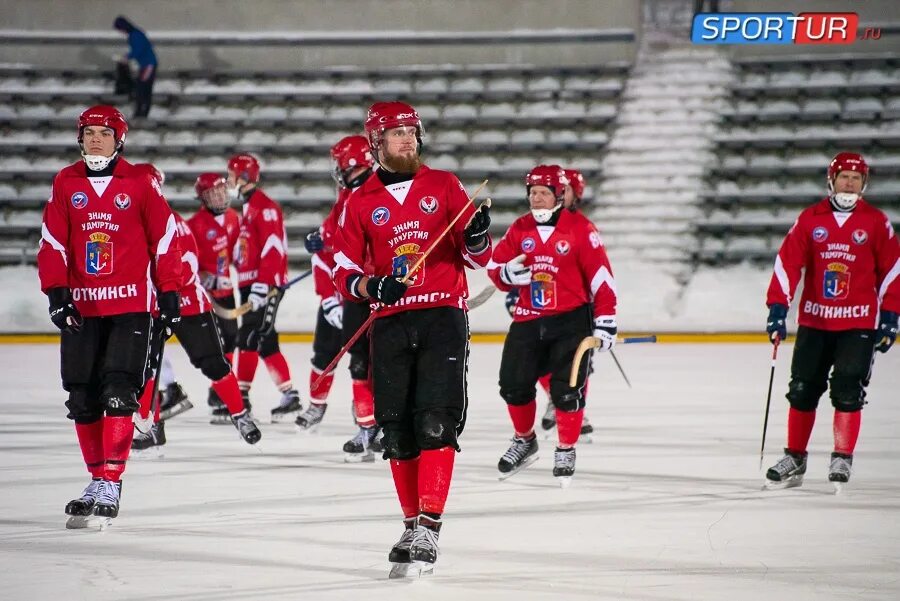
[(320, 361), (83, 407), (847, 393), (399, 444), (517, 396), (119, 400), (804, 396), (565, 398), (214, 367), (435, 430), (268, 345), (359, 367)]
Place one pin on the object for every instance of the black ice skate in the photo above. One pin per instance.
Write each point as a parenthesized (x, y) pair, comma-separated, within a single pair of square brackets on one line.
[(309, 420), (107, 506), (150, 443), (220, 415), (548, 421), (79, 510), (378, 441), (423, 551), (359, 448), (213, 399), (246, 427), (399, 555), (564, 466), (520, 454), (287, 406), (839, 470), (174, 402), (788, 472)]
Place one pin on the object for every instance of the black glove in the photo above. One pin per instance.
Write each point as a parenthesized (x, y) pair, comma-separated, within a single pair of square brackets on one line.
[(314, 242), (775, 327), (169, 307), (63, 312), (386, 289), (476, 231), (270, 312), (886, 334), (512, 297)]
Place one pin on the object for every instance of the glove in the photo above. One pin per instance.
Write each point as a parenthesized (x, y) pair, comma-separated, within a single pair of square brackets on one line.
[(333, 311), (314, 242), (605, 330), (386, 289), (512, 297), (258, 296), (775, 327), (515, 273), (887, 331), (63, 312), (271, 311), (476, 231), (169, 307), (208, 280)]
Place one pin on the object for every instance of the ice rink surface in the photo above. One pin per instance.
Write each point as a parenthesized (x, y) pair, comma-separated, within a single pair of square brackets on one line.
[(665, 504)]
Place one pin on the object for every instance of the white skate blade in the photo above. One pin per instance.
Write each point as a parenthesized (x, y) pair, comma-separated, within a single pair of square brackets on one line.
[(176, 409), (147, 454), (564, 481), (792, 482), (310, 430), (277, 418), (104, 523), (838, 487), (78, 522), (368, 457), (399, 570), (422, 568), (525, 464)]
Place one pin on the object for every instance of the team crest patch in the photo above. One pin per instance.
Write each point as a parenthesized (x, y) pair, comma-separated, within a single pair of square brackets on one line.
[(860, 236), (528, 245), (428, 204), (820, 234), (122, 201), (380, 216), (563, 247), (543, 292), (99, 256), (595, 240), (408, 255), (79, 200), (837, 281), (210, 234)]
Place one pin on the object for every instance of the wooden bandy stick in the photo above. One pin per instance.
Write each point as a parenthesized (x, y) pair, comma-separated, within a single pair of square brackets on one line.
[(589, 342)]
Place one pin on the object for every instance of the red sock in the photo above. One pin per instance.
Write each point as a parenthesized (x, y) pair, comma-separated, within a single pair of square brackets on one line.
[(90, 439), (117, 434), (146, 400), (568, 426), (228, 391), (800, 425), (846, 430), (523, 417), (279, 371), (156, 406), (406, 481), (544, 381), (320, 392), (586, 387), (247, 362), (230, 358), (363, 403), (435, 473)]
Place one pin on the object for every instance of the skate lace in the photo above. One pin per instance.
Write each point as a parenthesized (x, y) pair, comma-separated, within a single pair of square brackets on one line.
[(108, 493), (424, 538), (786, 465), (406, 539), (148, 435), (564, 458), (517, 450), (288, 398), (245, 422), (92, 490), (365, 436), (314, 413), (839, 465)]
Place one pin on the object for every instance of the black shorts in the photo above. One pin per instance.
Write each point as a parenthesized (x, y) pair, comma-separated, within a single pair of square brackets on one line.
[(540, 346), (327, 342), (355, 315), (248, 339), (228, 328)]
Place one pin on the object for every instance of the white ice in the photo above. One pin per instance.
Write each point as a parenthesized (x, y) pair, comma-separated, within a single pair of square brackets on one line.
[(665, 504)]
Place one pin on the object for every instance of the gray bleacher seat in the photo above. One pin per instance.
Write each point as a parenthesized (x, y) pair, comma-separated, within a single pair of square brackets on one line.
[(545, 83), (483, 162), (432, 85), (498, 110), (821, 107), (266, 113), (489, 137), (447, 162), (181, 138), (506, 84), (428, 113), (448, 137), (307, 113), (460, 111), (467, 84), (255, 137), (528, 136), (862, 108), (38, 111), (219, 139)]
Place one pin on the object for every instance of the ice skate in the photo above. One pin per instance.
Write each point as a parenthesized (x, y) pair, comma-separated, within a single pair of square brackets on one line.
[(564, 466), (149, 444), (377, 442), (80, 510), (107, 506), (423, 550), (548, 421), (309, 420), (839, 471), (399, 555), (520, 454), (359, 448), (287, 406), (174, 402), (246, 427), (586, 430), (213, 399), (787, 473)]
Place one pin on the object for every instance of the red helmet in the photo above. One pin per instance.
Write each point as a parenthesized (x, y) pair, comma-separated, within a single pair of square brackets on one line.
[(385, 115), (552, 176), (151, 170), (348, 154), (847, 161), (104, 116), (207, 181), (576, 180), (210, 189), (245, 166)]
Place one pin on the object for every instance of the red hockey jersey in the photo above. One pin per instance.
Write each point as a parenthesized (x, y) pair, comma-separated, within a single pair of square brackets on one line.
[(215, 236), (569, 266), (323, 261), (193, 297), (99, 236), (852, 263), (260, 253), (393, 226)]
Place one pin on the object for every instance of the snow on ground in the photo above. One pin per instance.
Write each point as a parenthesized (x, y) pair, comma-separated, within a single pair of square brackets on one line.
[(665, 505)]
